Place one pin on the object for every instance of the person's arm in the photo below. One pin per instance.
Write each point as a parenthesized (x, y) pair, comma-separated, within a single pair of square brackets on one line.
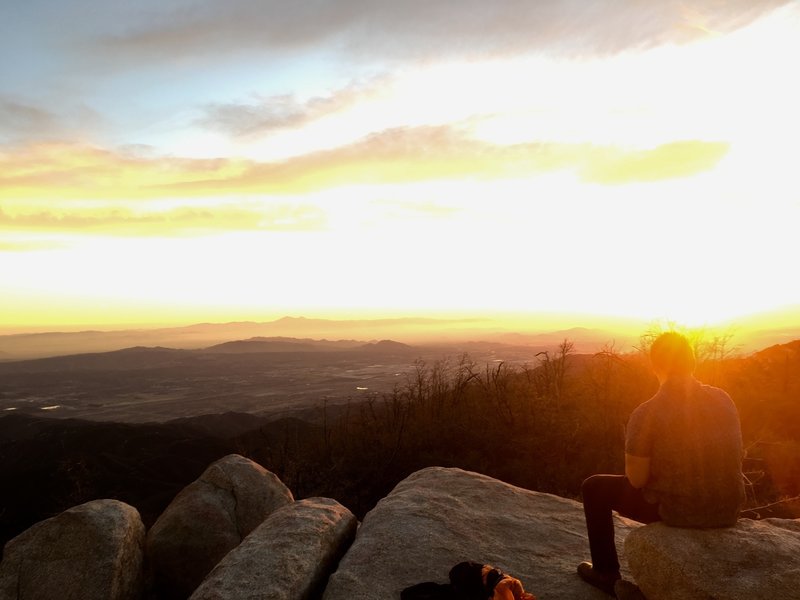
[(638, 446), (637, 469)]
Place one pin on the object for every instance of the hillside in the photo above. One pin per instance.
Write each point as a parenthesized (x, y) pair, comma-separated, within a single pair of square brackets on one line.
[(543, 428), (267, 376), (281, 344), (48, 465)]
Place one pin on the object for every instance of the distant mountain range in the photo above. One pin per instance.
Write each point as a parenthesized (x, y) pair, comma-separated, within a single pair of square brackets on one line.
[(292, 333), (282, 344), (293, 330), (142, 357)]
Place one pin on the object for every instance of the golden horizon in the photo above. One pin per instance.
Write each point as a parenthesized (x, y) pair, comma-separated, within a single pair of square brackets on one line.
[(644, 179), (541, 321)]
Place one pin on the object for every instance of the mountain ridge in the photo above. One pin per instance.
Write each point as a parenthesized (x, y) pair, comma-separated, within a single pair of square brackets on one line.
[(202, 335)]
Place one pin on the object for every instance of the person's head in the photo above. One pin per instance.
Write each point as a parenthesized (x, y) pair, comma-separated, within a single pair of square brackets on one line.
[(671, 355)]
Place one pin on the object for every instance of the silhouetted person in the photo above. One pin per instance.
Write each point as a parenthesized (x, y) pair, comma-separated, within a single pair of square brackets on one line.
[(683, 462)]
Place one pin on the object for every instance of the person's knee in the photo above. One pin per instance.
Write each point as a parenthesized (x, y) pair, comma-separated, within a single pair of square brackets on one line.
[(591, 485)]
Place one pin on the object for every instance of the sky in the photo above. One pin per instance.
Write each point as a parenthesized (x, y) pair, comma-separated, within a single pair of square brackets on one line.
[(176, 161)]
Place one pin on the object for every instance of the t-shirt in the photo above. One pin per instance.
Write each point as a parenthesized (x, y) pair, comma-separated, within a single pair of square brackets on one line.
[(691, 433)]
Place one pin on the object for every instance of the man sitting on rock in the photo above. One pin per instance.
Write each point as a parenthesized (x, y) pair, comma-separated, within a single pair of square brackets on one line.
[(683, 462)]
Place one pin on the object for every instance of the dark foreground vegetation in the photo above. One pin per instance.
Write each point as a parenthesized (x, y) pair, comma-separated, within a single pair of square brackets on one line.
[(545, 427)]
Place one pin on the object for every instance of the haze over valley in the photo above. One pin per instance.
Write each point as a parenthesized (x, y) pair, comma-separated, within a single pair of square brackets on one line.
[(291, 366), (267, 376)]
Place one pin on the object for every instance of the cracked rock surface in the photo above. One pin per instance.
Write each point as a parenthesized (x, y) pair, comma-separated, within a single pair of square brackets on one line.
[(288, 557), (93, 551), (207, 519), (438, 517), (754, 560)]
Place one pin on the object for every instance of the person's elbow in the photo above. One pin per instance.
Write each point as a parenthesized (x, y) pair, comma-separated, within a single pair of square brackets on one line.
[(637, 470)]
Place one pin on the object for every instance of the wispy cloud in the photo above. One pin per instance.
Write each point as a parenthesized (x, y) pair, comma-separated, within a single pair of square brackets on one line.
[(402, 155), (28, 245), (419, 28), (668, 161), (264, 115), (144, 221), (63, 171), (19, 118)]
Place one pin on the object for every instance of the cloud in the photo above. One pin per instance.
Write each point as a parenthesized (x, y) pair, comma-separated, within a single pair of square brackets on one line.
[(145, 221), (63, 171), (381, 29), (394, 156), (415, 154), (24, 120), (28, 245), (668, 161), (19, 118), (284, 111)]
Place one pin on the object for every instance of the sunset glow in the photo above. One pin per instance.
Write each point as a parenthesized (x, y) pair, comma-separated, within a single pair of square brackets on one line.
[(193, 166)]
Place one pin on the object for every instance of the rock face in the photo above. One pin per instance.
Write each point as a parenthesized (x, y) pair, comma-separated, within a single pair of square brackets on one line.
[(288, 557), (439, 517), (207, 519), (91, 551), (755, 560)]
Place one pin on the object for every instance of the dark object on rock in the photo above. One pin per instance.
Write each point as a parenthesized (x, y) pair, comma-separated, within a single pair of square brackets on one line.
[(470, 581), (627, 590), (429, 591), (474, 581)]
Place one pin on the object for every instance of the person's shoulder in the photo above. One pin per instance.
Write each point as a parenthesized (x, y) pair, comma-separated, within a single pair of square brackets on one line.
[(720, 399), (715, 392), (645, 408), (653, 401)]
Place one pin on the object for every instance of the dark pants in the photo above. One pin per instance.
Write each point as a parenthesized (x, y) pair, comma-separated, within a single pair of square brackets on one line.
[(601, 495)]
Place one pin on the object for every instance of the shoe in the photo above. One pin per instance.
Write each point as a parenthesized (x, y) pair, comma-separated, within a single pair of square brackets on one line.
[(602, 580), (627, 590)]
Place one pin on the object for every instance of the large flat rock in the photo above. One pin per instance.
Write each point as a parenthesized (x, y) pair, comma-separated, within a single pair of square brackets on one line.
[(755, 560), (438, 517)]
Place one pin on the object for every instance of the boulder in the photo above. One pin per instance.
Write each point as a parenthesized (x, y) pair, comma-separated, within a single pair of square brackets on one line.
[(439, 517), (755, 560), (91, 551), (207, 519), (288, 557)]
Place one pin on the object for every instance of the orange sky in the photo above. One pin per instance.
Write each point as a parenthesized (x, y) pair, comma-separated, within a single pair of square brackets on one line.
[(634, 162)]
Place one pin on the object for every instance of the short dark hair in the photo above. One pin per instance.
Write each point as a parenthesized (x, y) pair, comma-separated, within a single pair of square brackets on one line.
[(672, 354)]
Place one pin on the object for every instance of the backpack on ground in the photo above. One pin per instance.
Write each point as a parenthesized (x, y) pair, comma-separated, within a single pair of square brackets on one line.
[(468, 581)]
